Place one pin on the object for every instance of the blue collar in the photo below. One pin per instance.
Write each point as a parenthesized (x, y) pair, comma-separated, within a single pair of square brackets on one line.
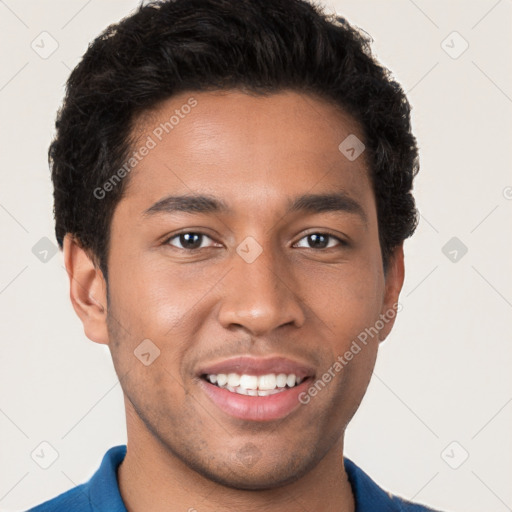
[(103, 489)]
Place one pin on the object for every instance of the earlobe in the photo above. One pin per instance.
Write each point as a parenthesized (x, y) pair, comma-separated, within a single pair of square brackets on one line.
[(87, 290), (394, 281)]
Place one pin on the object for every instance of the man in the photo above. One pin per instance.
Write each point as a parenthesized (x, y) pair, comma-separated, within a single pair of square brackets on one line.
[(232, 192)]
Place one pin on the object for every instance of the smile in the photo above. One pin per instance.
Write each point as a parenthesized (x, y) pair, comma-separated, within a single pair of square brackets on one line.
[(254, 404)]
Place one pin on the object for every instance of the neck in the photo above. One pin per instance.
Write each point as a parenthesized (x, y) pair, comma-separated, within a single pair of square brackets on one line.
[(153, 478)]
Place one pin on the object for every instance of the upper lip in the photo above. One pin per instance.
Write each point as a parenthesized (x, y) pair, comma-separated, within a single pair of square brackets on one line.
[(250, 365)]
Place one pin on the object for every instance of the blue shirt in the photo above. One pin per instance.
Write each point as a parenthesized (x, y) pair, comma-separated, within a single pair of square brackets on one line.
[(101, 492)]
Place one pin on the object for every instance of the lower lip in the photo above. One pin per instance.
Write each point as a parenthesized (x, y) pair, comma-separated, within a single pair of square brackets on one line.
[(255, 408)]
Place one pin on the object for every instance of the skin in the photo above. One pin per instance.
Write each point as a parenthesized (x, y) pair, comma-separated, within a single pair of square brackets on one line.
[(294, 300)]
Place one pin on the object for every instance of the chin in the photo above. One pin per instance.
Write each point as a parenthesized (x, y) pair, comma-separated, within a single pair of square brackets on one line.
[(244, 479), (257, 474)]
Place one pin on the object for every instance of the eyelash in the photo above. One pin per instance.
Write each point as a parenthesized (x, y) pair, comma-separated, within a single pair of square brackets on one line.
[(342, 243)]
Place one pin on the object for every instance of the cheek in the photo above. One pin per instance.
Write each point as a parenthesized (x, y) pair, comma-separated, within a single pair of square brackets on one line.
[(153, 301), (154, 297), (347, 299), (145, 364)]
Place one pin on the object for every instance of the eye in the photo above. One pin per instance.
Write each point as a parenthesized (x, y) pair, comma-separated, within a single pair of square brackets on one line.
[(321, 241), (189, 240)]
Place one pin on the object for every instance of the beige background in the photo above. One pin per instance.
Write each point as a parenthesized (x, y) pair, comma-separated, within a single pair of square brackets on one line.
[(443, 375)]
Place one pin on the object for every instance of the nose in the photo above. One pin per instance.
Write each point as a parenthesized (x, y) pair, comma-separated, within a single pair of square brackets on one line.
[(260, 296)]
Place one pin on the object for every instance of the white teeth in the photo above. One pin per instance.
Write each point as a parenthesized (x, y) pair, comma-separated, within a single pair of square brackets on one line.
[(281, 380), (234, 379), (249, 381), (254, 385), (267, 382)]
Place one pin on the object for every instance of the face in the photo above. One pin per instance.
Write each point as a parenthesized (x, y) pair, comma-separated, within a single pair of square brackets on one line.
[(260, 277)]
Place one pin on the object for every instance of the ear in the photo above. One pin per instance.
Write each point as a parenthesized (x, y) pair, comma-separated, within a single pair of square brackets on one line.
[(394, 281), (87, 290)]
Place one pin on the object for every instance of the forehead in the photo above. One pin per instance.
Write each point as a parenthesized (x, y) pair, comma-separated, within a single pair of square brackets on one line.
[(244, 147)]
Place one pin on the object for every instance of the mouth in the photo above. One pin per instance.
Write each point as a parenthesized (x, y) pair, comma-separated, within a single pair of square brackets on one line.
[(255, 389)]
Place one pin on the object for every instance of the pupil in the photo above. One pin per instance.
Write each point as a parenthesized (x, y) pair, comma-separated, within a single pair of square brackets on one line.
[(317, 240), (186, 240)]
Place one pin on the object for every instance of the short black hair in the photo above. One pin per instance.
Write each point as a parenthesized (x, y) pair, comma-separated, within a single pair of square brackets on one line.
[(263, 46)]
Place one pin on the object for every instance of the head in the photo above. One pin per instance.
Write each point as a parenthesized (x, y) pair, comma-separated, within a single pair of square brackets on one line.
[(294, 150)]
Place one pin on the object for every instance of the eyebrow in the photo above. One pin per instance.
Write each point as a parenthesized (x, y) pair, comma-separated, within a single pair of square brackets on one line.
[(320, 203), (192, 203), (311, 203)]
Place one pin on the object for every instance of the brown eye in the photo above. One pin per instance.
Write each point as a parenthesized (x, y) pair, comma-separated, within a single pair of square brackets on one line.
[(188, 241), (321, 241)]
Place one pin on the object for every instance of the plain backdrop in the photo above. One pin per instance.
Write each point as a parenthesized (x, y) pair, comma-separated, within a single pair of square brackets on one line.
[(435, 423)]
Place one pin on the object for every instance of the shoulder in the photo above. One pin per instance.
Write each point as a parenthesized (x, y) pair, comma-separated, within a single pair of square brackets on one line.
[(370, 497)]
